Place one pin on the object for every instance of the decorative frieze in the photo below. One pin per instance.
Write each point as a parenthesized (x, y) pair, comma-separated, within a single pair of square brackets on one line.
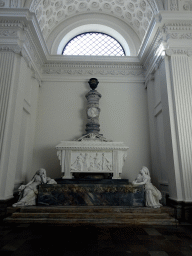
[(12, 3), (174, 5), (103, 70), (180, 5)]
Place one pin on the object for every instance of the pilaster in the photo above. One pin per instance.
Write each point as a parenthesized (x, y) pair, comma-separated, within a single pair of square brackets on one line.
[(10, 63), (182, 106)]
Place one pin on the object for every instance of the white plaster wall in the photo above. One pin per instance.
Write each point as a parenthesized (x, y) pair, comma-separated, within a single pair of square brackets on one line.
[(61, 116), (163, 174)]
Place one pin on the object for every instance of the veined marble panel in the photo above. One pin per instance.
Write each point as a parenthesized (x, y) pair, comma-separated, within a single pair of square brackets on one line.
[(90, 194)]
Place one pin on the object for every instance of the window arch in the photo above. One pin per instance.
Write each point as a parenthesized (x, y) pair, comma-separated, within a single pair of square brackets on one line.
[(93, 44)]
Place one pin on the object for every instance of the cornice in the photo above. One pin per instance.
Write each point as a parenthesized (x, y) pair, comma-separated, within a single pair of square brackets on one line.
[(75, 71), (20, 35), (165, 36), (92, 59), (27, 21)]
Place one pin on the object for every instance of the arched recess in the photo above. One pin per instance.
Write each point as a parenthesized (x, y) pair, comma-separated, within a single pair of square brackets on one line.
[(94, 22)]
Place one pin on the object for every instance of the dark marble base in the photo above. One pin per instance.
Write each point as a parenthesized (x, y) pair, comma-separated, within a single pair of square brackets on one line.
[(90, 195), (93, 181), (182, 210)]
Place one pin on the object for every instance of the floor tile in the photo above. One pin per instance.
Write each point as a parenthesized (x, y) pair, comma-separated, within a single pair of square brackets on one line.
[(158, 253), (137, 248), (13, 245), (40, 240), (152, 232)]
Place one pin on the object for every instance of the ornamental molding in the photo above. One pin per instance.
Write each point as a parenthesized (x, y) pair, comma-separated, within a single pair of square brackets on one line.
[(166, 36), (17, 36), (154, 55), (12, 3), (10, 48), (5, 23), (179, 51), (179, 5), (97, 69), (91, 144), (8, 33)]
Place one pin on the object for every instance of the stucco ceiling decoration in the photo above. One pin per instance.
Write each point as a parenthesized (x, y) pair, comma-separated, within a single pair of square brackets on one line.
[(136, 13)]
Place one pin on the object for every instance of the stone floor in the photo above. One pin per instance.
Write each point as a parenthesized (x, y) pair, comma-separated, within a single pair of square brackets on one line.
[(88, 240)]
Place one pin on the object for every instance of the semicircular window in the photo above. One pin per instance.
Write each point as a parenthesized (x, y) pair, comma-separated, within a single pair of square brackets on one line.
[(94, 44)]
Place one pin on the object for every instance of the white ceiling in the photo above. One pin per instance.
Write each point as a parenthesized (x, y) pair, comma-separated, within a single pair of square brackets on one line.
[(137, 14)]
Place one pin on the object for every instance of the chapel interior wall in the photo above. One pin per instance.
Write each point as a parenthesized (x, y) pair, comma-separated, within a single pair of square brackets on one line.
[(160, 138), (62, 116)]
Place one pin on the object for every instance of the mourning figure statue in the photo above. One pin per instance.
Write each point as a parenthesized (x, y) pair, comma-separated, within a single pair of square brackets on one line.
[(28, 193), (152, 194)]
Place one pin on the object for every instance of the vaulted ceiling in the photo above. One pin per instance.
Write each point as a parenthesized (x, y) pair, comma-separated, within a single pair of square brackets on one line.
[(135, 13)]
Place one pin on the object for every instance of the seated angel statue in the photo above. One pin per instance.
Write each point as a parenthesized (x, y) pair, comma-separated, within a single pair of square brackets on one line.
[(28, 193), (152, 194)]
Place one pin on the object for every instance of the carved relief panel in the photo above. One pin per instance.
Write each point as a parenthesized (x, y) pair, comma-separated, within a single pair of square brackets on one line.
[(91, 161)]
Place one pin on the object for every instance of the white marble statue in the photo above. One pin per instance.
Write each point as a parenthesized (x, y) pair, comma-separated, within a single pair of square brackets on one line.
[(152, 194), (28, 193)]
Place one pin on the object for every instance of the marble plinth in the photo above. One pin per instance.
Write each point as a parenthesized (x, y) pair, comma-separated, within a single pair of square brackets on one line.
[(90, 194)]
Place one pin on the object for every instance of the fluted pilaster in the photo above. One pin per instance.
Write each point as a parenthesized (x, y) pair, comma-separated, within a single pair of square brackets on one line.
[(182, 95), (6, 68)]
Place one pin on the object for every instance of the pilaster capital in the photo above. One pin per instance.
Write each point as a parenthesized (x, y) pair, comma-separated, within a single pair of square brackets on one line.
[(178, 51), (17, 35), (10, 48)]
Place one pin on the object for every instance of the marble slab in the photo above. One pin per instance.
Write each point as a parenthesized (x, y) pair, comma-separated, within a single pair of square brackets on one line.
[(90, 195)]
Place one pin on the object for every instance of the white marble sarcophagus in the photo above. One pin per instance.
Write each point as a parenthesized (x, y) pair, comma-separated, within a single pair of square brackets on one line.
[(91, 156)]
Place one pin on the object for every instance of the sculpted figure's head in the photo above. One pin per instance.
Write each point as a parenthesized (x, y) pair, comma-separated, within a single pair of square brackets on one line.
[(145, 170), (42, 173)]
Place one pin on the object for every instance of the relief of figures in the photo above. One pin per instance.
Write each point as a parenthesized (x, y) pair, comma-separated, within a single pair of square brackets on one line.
[(92, 162)]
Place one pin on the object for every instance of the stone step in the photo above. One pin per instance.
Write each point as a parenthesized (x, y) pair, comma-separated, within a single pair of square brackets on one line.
[(91, 215), (85, 209), (91, 221)]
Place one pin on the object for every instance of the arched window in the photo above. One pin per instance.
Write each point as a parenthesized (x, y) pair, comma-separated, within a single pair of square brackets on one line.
[(93, 44)]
